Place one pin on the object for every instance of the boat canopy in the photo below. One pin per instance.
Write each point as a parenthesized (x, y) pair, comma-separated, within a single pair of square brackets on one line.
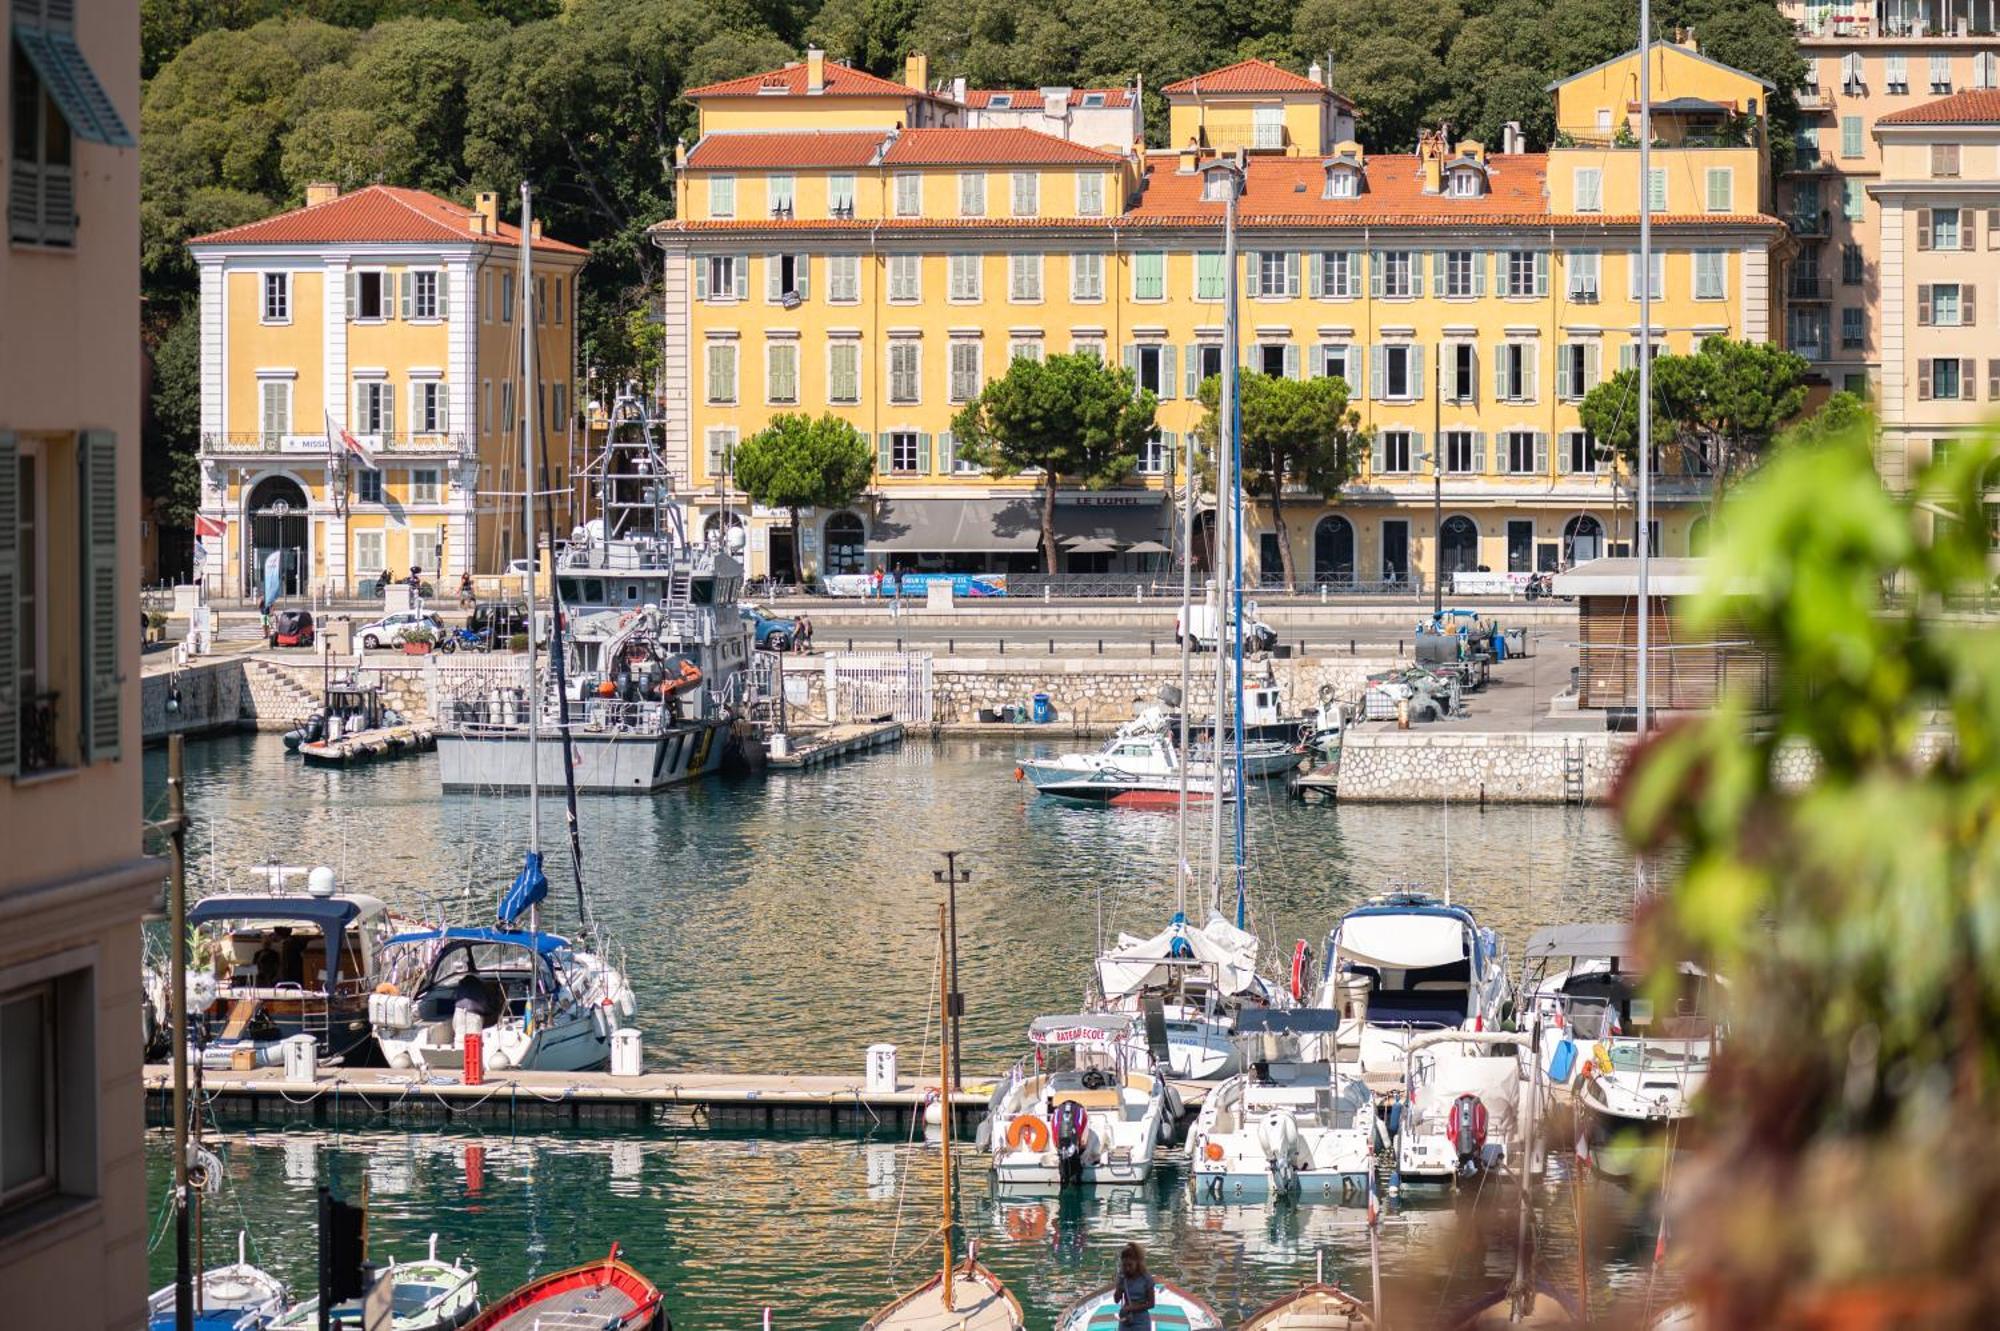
[(330, 914), (1081, 1028), (1298, 1020), (545, 944), (1138, 964), (1608, 941), (1401, 940)]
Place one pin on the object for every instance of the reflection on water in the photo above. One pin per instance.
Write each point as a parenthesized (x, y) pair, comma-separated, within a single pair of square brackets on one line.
[(784, 925)]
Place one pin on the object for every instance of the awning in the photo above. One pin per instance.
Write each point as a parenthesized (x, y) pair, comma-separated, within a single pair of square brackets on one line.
[(1596, 941), (331, 914), (966, 526), (1127, 524), (1402, 941), (63, 70)]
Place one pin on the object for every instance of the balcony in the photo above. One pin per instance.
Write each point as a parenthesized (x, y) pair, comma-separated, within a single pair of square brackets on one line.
[(419, 444), (1811, 163), (1810, 224), (1809, 286), (39, 750), (1815, 99)]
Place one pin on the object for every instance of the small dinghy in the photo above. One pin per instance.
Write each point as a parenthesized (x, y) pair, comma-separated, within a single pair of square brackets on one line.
[(965, 1298), (1174, 1309), (237, 1297), (426, 1295), (1311, 1308), (603, 1296)]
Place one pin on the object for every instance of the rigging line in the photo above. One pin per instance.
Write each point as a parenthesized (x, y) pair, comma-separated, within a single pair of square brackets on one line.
[(917, 1115)]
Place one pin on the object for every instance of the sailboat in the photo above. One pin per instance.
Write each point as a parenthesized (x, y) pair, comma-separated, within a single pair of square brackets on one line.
[(539, 1002), (963, 1296)]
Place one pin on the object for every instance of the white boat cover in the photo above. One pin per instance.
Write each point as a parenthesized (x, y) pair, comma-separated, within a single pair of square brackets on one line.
[(1457, 1070), (1083, 1028), (1218, 948), (1401, 942)]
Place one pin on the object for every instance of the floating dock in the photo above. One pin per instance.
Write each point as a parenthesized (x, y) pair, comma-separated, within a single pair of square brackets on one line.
[(813, 748), (1321, 783), (367, 746), (362, 1097)]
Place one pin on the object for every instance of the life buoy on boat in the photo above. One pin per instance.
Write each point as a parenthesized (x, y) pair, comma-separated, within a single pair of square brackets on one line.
[(1213, 1150), (688, 675), (1030, 1131), (1301, 963), (1028, 1223)]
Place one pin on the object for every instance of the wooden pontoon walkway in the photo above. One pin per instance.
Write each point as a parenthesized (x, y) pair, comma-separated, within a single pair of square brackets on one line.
[(810, 748)]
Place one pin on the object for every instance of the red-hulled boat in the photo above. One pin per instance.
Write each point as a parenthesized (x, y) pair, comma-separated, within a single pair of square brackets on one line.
[(602, 1296)]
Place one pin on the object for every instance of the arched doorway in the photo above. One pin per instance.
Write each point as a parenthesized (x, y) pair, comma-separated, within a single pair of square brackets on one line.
[(1698, 536), (1204, 540), (1333, 550), (276, 513), (1583, 539), (711, 532), (1458, 545), (846, 545)]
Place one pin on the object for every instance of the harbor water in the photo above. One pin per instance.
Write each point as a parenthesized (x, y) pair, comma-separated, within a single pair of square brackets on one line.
[(783, 925)]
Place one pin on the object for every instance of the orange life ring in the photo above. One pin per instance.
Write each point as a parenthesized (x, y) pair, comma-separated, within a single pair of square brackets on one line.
[(1018, 774), (1213, 1150), (1027, 1223), (387, 987), (1030, 1130)]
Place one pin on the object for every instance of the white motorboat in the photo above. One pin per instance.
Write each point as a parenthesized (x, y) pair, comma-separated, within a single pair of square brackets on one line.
[(539, 1003), (1285, 1125), (1138, 767), (1174, 1309), (1083, 1115), (425, 1295), (1461, 1117), (1428, 965), (236, 1297), (1201, 978)]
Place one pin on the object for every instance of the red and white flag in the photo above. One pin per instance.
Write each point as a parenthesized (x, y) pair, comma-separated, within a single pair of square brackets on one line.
[(206, 527), (346, 439)]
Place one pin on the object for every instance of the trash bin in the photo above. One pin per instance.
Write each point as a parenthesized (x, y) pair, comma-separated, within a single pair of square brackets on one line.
[(1045, 710)]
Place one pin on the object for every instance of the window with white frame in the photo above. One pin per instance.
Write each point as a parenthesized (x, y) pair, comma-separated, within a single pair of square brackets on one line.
[(1400, 374), (1086, 276), (1149, 275), (720, 457), (843, 279), (905, 278), (1092, 347), (1150, 371), (1853, 74), (1459, 268), (368, 295), (726, 276), (1945, 379), (1986, 70), (1397, 273), (424, 294), (1460, 450), (1581, 267), (1526, 273), (909, 189), (1896, 73), (721, 372), (1155, 454), (965, 358), (274, 403), (1027, 194), (1721, 189), (1024, 278), (1940, 73), (431, 406), (277, 298), (962, 271), (1342, 182), (722, 196), (369, 552), (905, 365), (1517, 451), (1267, 124), (1273, 277), (1396, 453), (1207, 364), (1514, 372), (843, 371), (906, 452), (1209, 276), (840, 194), (1464, 183), (1339, 278), (1461, 372), (780, 192), (1090, 194), (375, 407), (423, 485), (368, 486), (1657, 282), (1946, 304), (781, 372), (1589, 189), (1853, 328), (1576, 370), (1944, 230), (1711, 281), (1024, 348), (972, 194), (1580, 452)]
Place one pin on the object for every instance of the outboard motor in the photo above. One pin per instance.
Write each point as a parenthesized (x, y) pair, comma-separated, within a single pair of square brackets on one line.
[(1466, 1127), (1071, 1126), (1284, 1149)]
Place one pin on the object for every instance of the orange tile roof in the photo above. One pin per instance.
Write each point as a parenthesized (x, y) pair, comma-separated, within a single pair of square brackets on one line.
[(1030, 99), (807, 148), (994, 147), (1245, 76), (376, 213), (1291, 187), (1980, 106), (841, 81)]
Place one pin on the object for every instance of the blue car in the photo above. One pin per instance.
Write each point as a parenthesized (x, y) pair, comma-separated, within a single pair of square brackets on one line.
[(773, 634)]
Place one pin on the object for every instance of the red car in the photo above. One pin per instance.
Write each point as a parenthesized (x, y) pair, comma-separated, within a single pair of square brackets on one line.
[(292, 628)]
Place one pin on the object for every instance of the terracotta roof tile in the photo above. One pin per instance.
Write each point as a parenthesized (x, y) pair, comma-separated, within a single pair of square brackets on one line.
[(804, 148), (841, 81), (994, 147), (1030, 99), (1980, 106), (1293, 186), (376, 213), (1245, 76)]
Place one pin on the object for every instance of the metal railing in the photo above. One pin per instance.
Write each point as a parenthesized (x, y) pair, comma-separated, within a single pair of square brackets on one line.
[(40, 750), (1809, 286), (233, 443)]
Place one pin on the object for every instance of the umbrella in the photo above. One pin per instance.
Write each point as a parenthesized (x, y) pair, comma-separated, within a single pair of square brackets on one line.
[(1093, 545), (1148, 548)]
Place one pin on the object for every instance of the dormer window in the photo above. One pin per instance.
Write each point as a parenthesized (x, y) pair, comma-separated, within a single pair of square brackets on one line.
[(1093, 99), (1342, 182), (1464, 183), (1000, 101), (1215, 187)]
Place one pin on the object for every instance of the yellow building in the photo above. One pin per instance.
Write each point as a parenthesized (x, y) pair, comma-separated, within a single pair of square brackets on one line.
[(74, 1205), (1259, 107), (1469, 297), (391, 314)]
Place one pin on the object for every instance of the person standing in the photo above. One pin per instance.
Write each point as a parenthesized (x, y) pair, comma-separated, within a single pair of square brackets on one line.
[(1133, 1290), (467, 600)]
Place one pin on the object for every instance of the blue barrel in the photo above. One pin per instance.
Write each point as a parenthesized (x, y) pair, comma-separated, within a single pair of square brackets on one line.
[(1045, 711)]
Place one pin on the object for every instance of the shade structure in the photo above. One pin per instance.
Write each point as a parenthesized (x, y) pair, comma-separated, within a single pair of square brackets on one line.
[(967, 526), (1093, 545), (1148, 548)]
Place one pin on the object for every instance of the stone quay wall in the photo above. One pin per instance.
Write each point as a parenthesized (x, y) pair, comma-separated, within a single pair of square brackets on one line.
[(262, 693), (1435, 763)]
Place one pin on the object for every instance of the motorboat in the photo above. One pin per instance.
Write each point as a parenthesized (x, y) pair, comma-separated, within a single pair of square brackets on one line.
[(1138, 767), (1174, 1309), (1285, 1126), (426, 1295), (1314, 1307), (1199, 979), (1460, 1114), (607, 1295), (1082, 1115), (969, 1297), (539, 1002), (270, 965), (236, 1297), (1599, 1043), (1427, 965)]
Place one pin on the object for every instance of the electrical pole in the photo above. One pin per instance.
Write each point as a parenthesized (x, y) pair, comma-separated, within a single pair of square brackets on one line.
[(954, 1002)]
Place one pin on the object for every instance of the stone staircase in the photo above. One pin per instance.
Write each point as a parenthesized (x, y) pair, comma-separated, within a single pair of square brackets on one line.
[(273, 696), (239, 629)]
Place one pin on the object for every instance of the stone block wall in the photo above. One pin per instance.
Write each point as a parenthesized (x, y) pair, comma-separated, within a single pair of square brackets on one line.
[(1500, 768), (210, 696)]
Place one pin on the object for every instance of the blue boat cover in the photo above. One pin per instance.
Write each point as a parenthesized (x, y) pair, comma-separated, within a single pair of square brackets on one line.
[(331, 914), (545, 944), (529, 887)]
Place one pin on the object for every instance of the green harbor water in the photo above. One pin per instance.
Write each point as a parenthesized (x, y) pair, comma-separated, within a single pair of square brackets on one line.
[(783, 926)]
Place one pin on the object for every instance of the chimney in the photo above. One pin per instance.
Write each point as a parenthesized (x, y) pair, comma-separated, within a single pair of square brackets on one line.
[(535, 229), (487, 205), (321, 191), (958, 89), (1190, 157), (1510, 137), (917, 70), (815, 69), (1315, 73)]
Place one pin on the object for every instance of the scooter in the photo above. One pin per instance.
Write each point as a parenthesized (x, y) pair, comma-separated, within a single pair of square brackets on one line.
[(453, 639)]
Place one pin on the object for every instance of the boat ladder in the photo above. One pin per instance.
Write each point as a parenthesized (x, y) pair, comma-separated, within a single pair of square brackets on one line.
[(1573, 771)]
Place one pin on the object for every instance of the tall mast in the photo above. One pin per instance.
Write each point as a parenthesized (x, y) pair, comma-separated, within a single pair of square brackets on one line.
[(530, 410), (1645, 513), (1181, 867), (944, 1095), (1224, 526)]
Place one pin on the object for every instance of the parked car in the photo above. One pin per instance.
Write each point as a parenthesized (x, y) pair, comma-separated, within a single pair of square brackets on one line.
[(498, 620), (292, 628), (773, 634), (389, 630), (1257, 635)]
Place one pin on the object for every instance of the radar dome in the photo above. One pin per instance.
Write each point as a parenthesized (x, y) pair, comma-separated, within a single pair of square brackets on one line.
[(319, 882)]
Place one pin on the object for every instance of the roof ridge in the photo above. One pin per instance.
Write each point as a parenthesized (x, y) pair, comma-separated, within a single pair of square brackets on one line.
[(396, 193)]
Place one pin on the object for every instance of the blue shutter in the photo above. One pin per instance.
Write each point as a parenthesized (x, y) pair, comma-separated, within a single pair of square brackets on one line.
[(97, 459)]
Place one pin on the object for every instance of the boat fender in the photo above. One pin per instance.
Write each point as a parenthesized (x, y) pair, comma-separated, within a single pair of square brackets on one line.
[(1602, 1057), (1563, 1061), (1213, 1150), (1170, 1101), (1029, 1131), (1018, 774), (387, 987)]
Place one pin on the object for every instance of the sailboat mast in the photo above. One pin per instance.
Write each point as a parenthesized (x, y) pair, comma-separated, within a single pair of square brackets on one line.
[(1645, 355), (1225, 471), (1181, 867), (1236, 635), (944, 1096), (529, 404)]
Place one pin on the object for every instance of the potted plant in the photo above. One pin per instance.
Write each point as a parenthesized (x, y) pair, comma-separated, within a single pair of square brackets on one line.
[(417, 641)]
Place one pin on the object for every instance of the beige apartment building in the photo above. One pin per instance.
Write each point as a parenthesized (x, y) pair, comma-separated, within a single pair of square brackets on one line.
[(1865, 60), (73, 881)]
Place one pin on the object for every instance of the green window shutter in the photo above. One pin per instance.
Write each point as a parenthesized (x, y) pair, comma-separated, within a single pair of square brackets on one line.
[(1417, 274), (406, 283), (885, 454), (1132, 362), (924, 452), (1292, 273), (444, 293), (389, 409), (1478, 272), (1417, 371), (947, 453), (742, 267), (1375, 272), (771, 274), (1316, 273), (1316, 363), (1375, 372), (1292, 370), (97, 462), (1193, 384), (353, 294), (700, 279), (1500, 372), (1375, 458), (1589, 367), (1482, 460), (10, 593), (1541, 453), (1541, 272), (1169, 373), (802, 276)]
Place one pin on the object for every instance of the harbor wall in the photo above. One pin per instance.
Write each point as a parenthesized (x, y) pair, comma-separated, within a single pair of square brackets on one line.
[(209, 694), (258, 693), (1498, 767)]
